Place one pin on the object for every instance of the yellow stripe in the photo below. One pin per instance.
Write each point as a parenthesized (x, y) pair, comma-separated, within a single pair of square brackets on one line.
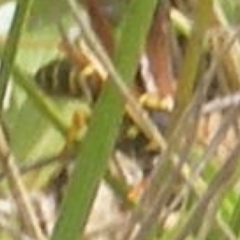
[(54, 79), (72, 82)]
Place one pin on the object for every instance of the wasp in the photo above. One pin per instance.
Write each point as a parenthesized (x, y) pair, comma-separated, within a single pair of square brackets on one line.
[(79, 74)]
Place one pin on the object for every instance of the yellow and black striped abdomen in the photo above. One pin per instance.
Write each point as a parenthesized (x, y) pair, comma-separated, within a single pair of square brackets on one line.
[(53, 78), (61, 78)]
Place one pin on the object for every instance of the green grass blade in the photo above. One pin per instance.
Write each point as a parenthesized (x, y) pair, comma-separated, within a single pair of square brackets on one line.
[(189, 70), (235, 219), (93, 159), (46, 106), (11, 46)]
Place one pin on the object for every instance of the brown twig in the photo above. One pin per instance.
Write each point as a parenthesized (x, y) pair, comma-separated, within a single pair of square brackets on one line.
[(221, 103), (19, 191)]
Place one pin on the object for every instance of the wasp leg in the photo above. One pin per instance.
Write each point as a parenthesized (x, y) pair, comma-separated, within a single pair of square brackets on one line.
[(78, 123), (136, 191)]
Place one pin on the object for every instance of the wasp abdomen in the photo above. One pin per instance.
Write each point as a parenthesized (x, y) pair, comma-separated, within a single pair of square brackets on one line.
[(61, 78), (53, 78)]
